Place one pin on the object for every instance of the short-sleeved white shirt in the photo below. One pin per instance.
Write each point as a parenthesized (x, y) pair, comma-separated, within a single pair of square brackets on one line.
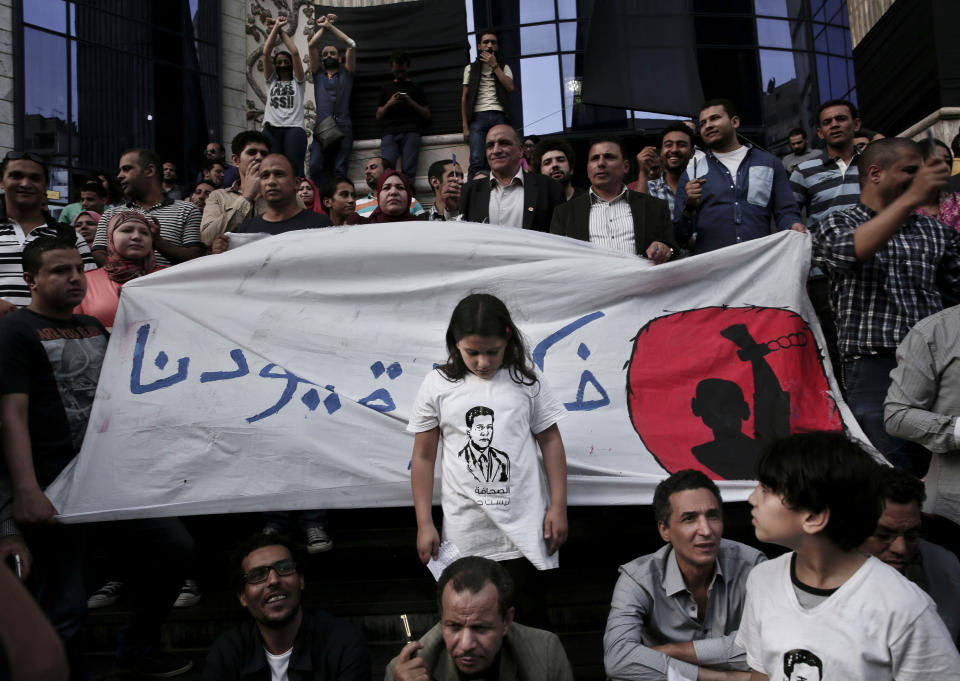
[(284, 107), (877, 626), (494, 494)]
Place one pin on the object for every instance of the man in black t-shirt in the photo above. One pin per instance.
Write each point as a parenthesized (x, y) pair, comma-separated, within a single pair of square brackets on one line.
[(278, 185), (402, 111), (50, 362)]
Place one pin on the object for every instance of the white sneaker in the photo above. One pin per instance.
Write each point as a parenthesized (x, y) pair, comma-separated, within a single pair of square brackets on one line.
[(106, 595), (317, 539), (189, 595)]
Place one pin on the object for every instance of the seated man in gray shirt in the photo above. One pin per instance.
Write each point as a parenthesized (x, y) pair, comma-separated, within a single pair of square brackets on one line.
[(675, 613)]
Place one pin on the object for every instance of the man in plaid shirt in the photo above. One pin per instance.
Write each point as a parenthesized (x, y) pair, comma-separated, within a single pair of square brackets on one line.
[(888, 269)]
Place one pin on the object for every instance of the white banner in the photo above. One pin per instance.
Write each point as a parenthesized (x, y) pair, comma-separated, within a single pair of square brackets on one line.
[(280, 375)]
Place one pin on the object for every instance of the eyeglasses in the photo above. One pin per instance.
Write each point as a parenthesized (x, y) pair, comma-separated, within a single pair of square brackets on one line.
[(283, 568), (888, 537)]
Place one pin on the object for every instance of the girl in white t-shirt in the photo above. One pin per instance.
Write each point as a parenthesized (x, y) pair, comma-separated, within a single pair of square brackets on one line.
[(494, 421), (283, 112)]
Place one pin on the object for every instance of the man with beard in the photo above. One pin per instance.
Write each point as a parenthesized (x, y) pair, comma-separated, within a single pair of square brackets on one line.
[(676, 150), (215, 152), (375, 167), (555, 158), (332, 89), (169, 184), (888, 268), (282, 640)]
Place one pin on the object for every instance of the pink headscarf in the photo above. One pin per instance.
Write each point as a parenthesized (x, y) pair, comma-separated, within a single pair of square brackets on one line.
[(378, 215), (120, 269)]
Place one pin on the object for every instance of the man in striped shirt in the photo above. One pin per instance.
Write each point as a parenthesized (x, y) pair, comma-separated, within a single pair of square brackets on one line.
[(176, 229), (831, 181), (23, 219)]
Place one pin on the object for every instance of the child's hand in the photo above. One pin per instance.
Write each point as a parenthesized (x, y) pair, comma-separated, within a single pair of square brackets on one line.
[(555, 528), (428, 542)]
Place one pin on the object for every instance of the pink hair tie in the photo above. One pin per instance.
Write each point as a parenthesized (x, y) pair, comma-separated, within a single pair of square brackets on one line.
[(508, 332)]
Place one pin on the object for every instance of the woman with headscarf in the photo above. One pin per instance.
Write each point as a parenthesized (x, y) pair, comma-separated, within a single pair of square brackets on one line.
[(283, 114), (310, 195), (86, 225), (393, 199), (129, 255)]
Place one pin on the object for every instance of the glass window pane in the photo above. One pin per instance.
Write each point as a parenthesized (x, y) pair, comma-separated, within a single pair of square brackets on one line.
[(823, 78), (837, 42), (472, 39), (773, 33), (532, 11), (571, 86), (537, 39), (568, 36), (45, 93), (567, 9), (542, 112), (776, 66), (773, 8), (73, 84), (50, 14), (470, 25), (838, 77), (819, 38)]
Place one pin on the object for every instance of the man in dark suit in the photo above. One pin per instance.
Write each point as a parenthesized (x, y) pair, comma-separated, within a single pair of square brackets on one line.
[(510, 197), (612, 216)]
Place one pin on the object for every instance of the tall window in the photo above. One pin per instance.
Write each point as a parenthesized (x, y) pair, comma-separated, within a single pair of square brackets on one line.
[(100, 77)]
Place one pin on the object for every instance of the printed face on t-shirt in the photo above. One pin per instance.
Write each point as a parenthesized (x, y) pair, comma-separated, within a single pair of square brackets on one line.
[(481, 432)]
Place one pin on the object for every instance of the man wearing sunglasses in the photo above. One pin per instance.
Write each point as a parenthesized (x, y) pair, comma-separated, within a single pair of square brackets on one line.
[(897, 542), (282, 640)]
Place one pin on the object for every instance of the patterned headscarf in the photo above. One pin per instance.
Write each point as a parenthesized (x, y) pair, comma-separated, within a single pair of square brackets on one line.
[(378, 215), (120, 269)]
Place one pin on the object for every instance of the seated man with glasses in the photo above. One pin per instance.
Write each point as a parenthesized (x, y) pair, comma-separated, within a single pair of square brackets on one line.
[(283, 641), (897, 542)]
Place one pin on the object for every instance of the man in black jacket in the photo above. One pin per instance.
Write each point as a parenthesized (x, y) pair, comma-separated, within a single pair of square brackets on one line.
[(611, 216), (510, 197), (282, 640)]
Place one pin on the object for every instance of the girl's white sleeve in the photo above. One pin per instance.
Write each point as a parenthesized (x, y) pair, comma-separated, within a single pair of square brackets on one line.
[(546, 408), (425, 414)]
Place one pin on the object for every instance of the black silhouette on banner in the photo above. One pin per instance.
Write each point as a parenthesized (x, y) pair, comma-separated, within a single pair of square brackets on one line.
[(689, 375)]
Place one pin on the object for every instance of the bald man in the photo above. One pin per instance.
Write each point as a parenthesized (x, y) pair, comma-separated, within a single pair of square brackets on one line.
[(510, 197)]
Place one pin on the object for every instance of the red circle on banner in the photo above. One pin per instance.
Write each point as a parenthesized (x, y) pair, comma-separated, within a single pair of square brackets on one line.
[(704, 366)]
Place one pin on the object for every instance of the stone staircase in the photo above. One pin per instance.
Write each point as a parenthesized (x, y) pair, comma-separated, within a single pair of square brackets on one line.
[(372, 575)]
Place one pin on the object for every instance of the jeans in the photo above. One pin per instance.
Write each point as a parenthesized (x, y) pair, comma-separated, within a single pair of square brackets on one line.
[(157, 554), (56, 578), (867, 380), (340, 151), (405, 145), (281, 520), (291, 142), (481, 123)]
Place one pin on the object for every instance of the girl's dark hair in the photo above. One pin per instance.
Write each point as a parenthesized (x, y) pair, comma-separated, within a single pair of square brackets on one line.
[(481, 314)]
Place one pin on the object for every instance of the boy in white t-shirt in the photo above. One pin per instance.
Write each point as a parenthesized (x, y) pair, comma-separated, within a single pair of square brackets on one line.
[(826, 611)]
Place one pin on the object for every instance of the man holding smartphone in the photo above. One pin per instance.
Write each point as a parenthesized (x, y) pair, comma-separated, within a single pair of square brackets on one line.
[(485, 101), (402, 112)]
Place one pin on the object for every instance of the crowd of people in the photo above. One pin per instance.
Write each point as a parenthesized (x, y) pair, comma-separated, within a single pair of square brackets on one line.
[(885, 281)]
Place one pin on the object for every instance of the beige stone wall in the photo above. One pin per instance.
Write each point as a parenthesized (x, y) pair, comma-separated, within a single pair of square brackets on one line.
[(6, 77), (863, 15)]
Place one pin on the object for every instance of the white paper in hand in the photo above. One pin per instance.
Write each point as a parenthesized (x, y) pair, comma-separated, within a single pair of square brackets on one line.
[(446, 554)]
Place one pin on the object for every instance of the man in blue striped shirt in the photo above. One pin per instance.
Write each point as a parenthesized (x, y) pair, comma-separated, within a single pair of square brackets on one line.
[(830, 182)]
